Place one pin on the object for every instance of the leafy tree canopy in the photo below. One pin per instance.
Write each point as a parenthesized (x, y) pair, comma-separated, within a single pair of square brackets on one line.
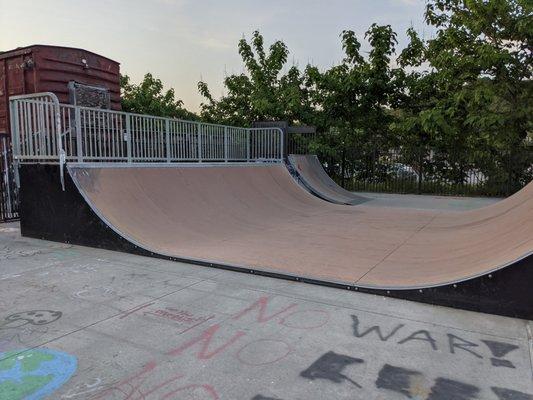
[(149, 97), (264, 92), (475, 96)]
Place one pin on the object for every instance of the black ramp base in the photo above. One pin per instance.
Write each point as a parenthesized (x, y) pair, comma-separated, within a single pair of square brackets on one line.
[(49, 213)]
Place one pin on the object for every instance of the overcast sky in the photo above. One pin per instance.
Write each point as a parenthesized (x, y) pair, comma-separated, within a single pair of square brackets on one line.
[(183, 41)]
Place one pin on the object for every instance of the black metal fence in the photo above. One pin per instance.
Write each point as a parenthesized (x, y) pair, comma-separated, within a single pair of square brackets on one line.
[(426, 170), (300, 143), (8, 188)]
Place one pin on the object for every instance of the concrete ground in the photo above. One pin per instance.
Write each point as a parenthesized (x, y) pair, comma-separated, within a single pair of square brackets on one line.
[(427, 202), (81, 323)]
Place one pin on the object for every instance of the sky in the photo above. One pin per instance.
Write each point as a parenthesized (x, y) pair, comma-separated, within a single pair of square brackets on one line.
[(184, 41)]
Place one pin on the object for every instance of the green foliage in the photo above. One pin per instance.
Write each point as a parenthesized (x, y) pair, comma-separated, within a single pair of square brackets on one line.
[(473, 104), (356, 99), (264, 92), (149, 97)]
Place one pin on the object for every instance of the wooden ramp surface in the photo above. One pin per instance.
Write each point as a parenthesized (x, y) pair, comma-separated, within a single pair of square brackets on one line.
[(256, 216), (313, 177)]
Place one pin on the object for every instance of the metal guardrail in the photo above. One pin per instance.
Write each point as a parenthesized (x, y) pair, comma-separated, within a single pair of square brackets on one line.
[(45, 131), (8, 189)]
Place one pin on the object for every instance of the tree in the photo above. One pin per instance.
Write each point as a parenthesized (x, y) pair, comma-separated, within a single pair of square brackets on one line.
[(149, 97), (355, 100), (477, 88), (263, 92)]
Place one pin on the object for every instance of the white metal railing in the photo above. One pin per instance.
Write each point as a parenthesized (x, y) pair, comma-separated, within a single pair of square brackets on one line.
[(43, 130)]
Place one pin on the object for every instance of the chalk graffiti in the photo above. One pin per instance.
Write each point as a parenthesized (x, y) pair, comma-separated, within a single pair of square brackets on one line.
[(204, 341), (509, 394), (330, 367), (23, 336), (140, 387), (83, 389), (33, 317), (305, 319), (258, 313), (261, 306), (263, 352), (499, 350), (413, 384), (99, 292), (407, 382), (422, 335), (453, 343), (208, 345), (447, 388), (21, 328), (375, 328), (34, 374), (216, 339), (398, 380), (180, 316), (8, 253)]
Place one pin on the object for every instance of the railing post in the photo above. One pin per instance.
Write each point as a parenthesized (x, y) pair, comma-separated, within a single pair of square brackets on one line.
[(226, 144), (60, 149), (281, 143), (4, 156), (15, 133), (420, 169), (199, 141), (79, 144), (248, 145), (167, 138), (40, 133), (127, 137)]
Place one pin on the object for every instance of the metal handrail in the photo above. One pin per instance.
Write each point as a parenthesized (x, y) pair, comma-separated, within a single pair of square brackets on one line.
[(14, 112), (85, 134)]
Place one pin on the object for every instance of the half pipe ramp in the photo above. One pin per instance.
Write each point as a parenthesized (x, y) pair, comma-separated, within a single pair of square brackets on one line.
[(253, 217)]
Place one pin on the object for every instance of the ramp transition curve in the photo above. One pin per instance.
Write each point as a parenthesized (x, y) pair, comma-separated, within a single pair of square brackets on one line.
[(309, 172), (255, 218)]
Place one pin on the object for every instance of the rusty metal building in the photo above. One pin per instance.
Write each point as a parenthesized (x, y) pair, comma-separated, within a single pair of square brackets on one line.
[(76, 76)]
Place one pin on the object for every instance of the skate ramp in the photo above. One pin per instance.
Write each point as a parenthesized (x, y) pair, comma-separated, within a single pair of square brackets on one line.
[(257, 217), (311, 174)]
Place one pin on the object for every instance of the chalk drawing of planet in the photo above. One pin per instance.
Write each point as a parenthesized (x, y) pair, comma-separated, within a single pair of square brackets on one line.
[(34, 374)]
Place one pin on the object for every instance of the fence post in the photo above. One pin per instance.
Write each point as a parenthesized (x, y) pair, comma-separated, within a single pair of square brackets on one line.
[(128, 137), (420, 169), (509, 174), (282, 144), (199, 141), (226, 144), (5, 177), (79, 144), (60, 149), (343, 166), (15, 133), (248, 145), (167, 138)]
